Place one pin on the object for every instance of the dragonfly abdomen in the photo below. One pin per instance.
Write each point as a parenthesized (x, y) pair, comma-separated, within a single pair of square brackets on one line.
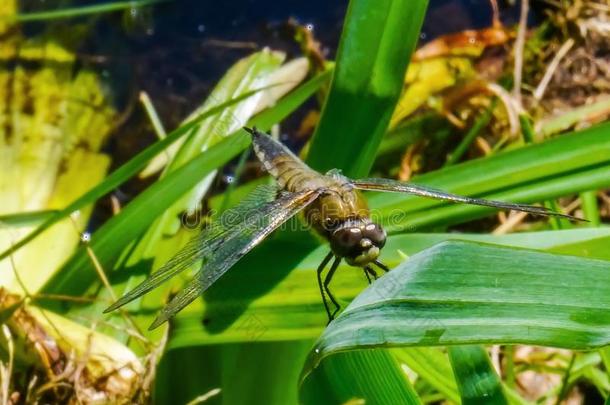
[(289, 171)]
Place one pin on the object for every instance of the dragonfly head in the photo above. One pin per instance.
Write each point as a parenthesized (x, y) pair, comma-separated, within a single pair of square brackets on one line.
[(358, 242)]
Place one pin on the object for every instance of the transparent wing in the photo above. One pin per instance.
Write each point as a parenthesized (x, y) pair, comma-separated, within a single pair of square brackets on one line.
[(204, 244), (235, 245), (401, 187)]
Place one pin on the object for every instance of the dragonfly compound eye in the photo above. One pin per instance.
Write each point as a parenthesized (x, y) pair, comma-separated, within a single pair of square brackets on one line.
[(375, 233), (345, 240)]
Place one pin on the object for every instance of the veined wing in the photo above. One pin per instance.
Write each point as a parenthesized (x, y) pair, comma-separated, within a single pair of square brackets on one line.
[(235, 244), (204, 244), (395, 186)]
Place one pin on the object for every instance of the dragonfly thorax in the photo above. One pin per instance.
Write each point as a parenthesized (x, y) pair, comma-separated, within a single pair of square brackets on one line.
[(359, 241)]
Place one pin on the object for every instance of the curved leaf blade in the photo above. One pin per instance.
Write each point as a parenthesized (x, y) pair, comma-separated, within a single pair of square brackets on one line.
[(371, 376), (476, 379), (462, 293)]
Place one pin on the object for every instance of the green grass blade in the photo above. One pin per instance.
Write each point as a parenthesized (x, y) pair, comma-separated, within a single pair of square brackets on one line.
[(81, 11), (125, 172), (110, 239), (477, 381), (373, 376), (432, 365), (567, 164), (272, 368), (26, 218), (596, 177), (377, 41)]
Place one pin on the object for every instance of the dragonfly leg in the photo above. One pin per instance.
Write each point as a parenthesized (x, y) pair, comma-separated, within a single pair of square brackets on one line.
[(382, 266), (368, 277), (319, 272), (370, 271), (327, 281)]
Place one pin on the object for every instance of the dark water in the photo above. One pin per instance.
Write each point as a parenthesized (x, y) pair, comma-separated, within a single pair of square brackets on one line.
[(185, 37), (178, 49)]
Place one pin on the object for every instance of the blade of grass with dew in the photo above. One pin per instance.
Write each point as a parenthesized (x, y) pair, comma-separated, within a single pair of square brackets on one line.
[(476, 379), (373, 377), (112, 237), (81, 11), (122, 174), (286, 300), (376, 45), (157, 245)]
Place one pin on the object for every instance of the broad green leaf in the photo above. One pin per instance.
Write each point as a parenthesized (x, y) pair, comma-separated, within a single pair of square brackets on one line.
[(476, 379), (495, 295), (376, 45)]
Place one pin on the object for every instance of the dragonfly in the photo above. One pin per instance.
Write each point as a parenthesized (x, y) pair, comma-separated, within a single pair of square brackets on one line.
[(331, 204)]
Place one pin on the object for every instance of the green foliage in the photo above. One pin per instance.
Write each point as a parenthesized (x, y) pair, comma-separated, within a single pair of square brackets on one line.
[(377, 41), (252, 331), (477, 381), (372, 376)]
